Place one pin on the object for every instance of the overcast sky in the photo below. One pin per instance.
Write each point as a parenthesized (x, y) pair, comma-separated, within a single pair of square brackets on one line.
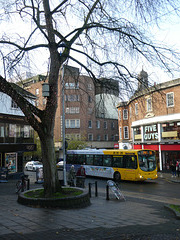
[(168, 33)]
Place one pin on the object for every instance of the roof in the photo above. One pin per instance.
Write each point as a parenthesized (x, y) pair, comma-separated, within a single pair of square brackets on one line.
[(22, 91), (149, 90)]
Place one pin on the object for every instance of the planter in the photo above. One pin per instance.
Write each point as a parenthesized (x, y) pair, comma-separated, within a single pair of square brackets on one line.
[(80, 201)]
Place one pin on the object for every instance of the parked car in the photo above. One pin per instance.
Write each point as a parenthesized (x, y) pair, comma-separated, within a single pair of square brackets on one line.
[(60, 165), (33, 165)]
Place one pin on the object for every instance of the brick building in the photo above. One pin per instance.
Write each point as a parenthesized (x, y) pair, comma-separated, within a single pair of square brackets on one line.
[(151, 120), (90, 111)]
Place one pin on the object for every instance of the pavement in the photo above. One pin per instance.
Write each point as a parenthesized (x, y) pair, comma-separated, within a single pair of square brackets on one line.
[(139, 217)]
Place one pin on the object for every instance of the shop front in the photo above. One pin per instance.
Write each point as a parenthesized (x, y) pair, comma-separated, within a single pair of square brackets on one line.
[(163, 137), (11, 155)]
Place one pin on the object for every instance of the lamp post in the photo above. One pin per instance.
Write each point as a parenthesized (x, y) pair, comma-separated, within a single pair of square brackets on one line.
[(63, 130)]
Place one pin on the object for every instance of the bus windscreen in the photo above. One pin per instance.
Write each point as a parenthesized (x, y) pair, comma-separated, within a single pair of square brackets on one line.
[(147, 161)]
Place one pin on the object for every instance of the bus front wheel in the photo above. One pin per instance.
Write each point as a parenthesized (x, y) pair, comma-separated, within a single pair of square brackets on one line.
[(117, 177)]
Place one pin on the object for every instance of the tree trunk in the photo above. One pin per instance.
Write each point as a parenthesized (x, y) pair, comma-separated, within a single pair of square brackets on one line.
[(51, 181)]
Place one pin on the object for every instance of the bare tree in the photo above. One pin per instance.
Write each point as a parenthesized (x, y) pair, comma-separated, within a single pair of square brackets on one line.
[(95, 34)]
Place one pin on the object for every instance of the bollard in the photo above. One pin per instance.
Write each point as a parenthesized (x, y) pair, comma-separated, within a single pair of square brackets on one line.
[(107, 192), (90, 190), (28, 184), (96, 191)]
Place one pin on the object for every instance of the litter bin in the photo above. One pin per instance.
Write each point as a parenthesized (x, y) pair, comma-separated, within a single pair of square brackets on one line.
[(80, 180)]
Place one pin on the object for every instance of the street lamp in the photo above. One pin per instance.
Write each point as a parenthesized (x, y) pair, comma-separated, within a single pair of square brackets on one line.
[(63, 129)]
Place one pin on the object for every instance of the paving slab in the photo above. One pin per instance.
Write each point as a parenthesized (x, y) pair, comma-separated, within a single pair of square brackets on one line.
[(138, 217)]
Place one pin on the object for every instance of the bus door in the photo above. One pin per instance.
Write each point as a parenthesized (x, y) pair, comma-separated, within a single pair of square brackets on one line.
[(118, 165), (130, 167)]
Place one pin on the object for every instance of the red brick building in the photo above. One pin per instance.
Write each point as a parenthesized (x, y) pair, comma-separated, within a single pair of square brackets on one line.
[(151, 120), (89, 111)]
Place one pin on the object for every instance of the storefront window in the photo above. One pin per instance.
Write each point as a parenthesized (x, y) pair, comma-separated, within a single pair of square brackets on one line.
[(137, 134), (170, 131), (11, 162), (169, 157), (18, 131), (12, 130), (1, 129), (26, 131)]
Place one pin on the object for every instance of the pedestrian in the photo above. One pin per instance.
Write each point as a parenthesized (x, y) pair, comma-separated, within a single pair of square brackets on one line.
[(80, 177), (81, 172), (71, 176), (173, 168), (178, 167)]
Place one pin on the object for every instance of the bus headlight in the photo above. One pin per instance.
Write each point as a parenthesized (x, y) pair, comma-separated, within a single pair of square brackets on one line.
[(140, 176)]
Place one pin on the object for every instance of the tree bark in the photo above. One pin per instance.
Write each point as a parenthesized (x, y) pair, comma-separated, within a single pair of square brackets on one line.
[(51, 181)]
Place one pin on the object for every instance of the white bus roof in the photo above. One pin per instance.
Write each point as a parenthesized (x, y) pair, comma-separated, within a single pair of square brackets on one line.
[(86, 151)]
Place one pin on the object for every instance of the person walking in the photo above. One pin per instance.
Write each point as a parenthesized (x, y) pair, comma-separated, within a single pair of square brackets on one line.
[(80, 177), (178, 167), (173, 168), (71, 176)]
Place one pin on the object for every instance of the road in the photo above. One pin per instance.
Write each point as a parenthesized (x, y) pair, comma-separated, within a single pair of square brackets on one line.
[(159, 190)]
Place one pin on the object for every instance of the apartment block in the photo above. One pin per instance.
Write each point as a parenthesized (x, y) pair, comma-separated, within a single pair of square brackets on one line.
[(89, 107)]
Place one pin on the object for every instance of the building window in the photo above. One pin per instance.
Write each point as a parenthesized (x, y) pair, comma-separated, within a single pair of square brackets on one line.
[(37, 103), (112, 125), (103, 115), (14, 105), (126, 132), (98, 137), (105, 137), (119, 115), (136, 108), (72, 110), (105, 125), (98, 124), (2, 130), (12, 130), (89, 99), (90, 111), (67, 110), (89, 124), (149, 104), (72, 123), (72, 98), (125, 114), (137, 134), (130, 112), (90, 137), (170, 99), (44, 101), (112, 137), (72, 85), (26, 131), (37, 91), (120, 133), (89, 86)]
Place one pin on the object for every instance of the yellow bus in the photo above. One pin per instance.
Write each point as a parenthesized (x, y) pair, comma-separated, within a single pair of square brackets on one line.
[(133, 165)]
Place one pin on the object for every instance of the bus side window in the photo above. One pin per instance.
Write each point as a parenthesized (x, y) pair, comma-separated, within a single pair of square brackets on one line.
[(81, 159), (107, 161), (130, 162), (118, 161), (98, 160), (89, 159), (75, 160)]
